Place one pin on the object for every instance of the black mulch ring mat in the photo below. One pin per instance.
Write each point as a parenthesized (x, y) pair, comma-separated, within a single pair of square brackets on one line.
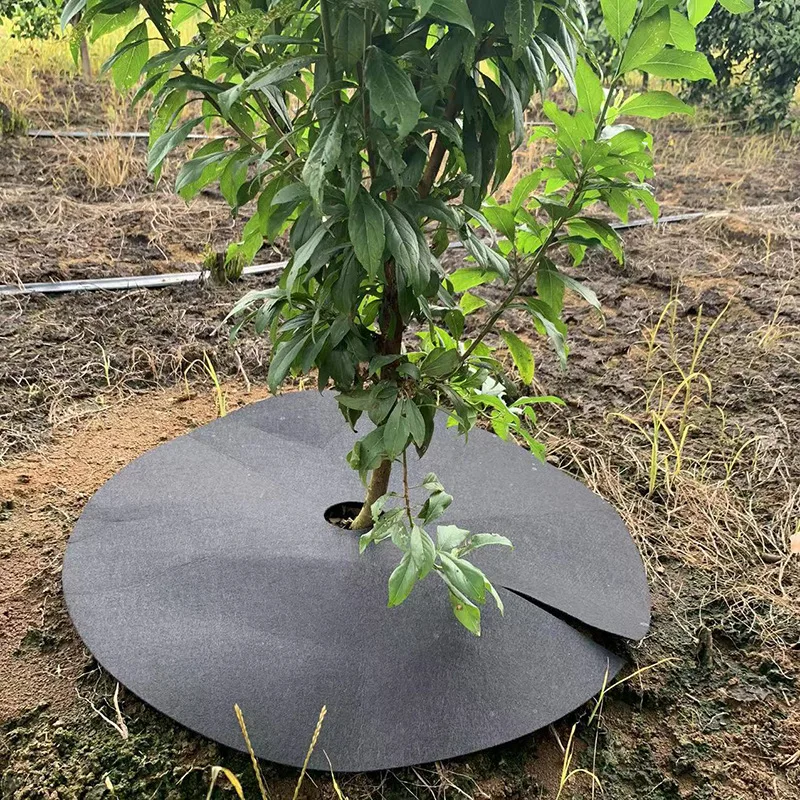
[(204, 574)]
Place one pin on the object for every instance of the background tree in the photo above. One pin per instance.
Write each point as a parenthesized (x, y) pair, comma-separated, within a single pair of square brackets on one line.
[(374, 132), (31, 19), (756, 58), (38, 19)]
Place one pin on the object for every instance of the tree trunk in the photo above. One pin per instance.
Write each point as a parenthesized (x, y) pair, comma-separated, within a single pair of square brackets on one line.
[(378, 486), (389, 343), (86, 61)]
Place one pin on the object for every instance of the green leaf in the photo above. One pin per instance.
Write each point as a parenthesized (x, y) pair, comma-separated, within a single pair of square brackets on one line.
[(698, 10), (498, 602), (203, 168), (479, 540), (738, 6), (71, 9), (324, 156), (401, 238), (654, 105), (561, 59), (448, 537), (396, 431), (432, 483), (366, 454), (293, 193), (649, 7), (549, 285), (389, 523), (402, 580), (416, 423), (367, 232), (168, 142), (184, 10), (435, 506), (416, 563), (303, 255), (422, 550), (524, 188), (681, 32), (470, 303), (468, 278), (103, 24), (590, 90), (520, 21), (468, 614), (485, 256), (464, 576), (502, 219), (453, 11), (440, 362), (273, 75), (679, 65), (550, 324), (391, 93), (168, 59), (571, 130), (282, 359), (600, 230), (521, 354), (582, 290), (133, 50), (618, 16), (646, 41)]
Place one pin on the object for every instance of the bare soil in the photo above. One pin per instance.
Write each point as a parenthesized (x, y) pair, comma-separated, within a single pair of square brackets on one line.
[(90, 381)]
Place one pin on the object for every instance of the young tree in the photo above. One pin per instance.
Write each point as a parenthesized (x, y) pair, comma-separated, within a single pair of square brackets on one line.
[(375, 132)]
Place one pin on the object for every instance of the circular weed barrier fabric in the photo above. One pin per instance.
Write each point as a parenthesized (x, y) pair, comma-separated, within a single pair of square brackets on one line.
[(204, 574)]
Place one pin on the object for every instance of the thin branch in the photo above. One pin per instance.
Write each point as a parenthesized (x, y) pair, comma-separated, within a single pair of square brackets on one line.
[(439, 149), (406, 491), (327, 38)]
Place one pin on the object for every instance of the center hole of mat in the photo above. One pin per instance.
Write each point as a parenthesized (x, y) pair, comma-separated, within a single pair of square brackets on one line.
[(342, 514)]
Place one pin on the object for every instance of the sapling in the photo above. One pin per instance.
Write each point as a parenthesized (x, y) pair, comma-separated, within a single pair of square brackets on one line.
[(374, 133)]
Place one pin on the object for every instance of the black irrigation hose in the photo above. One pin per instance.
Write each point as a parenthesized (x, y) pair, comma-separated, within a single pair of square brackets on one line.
[(173, 278)]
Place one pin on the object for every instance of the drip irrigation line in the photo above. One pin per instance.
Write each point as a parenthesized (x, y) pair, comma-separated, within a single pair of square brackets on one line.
[(129, 282), (42, 133), (175, 278), (48, 134)]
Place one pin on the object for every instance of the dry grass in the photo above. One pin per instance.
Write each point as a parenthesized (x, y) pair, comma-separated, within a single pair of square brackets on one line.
[(718, 153), (103, 164), (28, 67), (690, 483)]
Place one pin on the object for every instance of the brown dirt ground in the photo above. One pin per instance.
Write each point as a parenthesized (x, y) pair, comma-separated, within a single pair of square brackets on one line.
[(88, 382)]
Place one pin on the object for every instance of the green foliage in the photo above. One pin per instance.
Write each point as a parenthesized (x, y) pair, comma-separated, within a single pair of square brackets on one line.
[(373, 132), (31, 19), (756, 58), (445, 555)]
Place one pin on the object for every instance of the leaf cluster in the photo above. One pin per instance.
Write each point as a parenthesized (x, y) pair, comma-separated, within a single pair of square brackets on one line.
[(444, 554)]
